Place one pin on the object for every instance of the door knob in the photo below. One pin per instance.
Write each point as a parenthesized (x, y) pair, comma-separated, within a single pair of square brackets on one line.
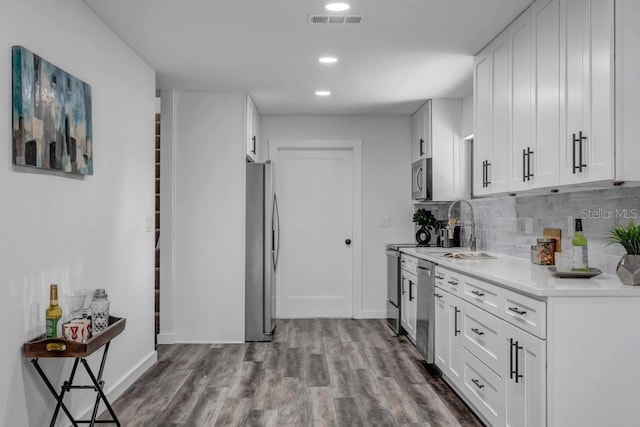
[(347, 242)]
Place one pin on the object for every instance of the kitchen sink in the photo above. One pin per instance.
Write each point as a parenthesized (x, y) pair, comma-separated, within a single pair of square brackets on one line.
[(468, 255)]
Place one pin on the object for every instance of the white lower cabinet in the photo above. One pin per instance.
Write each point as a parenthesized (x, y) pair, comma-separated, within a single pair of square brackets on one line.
[(448, 335), (482, 335), (409, 308), (488, 355), (484, 388), (441, 336), (525, 378)]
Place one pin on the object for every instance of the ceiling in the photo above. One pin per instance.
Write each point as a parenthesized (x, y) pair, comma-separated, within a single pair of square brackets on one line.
[(405, 52)]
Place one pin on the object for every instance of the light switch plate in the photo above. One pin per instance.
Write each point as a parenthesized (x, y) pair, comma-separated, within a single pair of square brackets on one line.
[(385, 221)]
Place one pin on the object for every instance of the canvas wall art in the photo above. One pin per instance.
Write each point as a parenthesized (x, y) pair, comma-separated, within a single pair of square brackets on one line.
[(51, 116)]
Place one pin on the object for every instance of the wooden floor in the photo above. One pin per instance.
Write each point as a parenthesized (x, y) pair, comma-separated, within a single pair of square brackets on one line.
[(316, 372)]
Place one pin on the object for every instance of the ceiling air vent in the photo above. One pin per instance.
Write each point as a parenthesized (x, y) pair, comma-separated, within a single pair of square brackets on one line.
[(336, 19)]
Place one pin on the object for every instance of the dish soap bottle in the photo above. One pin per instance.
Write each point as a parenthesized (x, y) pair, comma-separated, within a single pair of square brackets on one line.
[(580, 252), (53, 313)]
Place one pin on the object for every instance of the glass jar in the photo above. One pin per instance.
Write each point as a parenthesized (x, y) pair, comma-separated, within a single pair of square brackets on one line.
[(99, 312), (534, 254), (545, 250)]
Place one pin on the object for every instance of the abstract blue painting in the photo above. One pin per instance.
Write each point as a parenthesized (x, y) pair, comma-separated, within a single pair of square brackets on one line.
[(51, 116)]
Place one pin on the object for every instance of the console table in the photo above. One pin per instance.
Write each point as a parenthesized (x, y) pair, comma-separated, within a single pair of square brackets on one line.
[(58, 347)]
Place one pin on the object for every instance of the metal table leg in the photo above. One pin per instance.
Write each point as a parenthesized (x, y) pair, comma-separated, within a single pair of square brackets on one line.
[(98, 384), (60, 403)]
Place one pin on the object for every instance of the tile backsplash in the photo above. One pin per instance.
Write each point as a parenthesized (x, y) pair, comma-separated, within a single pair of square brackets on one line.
[(502, 222)]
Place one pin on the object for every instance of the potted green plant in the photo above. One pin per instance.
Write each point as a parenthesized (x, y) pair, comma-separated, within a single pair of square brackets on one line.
[(628, 236), (423, 218)]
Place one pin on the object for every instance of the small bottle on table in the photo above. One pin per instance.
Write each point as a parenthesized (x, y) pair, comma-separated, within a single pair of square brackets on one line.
[(53, 313)]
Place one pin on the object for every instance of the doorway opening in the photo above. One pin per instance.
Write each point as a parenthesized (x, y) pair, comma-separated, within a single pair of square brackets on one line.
[(319, 187)]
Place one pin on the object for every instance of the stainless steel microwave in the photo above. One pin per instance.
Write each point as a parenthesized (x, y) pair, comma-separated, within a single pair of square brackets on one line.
[(421, 187)]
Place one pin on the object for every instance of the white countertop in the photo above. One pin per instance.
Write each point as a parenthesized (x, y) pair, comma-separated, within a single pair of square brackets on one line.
[(520, 275)]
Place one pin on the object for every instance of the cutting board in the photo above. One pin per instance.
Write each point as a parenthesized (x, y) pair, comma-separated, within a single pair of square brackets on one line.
[(554, 233)]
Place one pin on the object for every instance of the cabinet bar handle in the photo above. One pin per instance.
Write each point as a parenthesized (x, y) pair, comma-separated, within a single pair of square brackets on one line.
[(486, 174), (524, 165), (455, 322), (515, 310), (477, 293), (421, 147), (511, 371), (410, 290), (477, 383), (581, 138), (453, 282), (437, 295), (573, 152), (578, 140), (253, 149), (477, 331), (488, 164), (517, 373), (529, 153), (437, 276)]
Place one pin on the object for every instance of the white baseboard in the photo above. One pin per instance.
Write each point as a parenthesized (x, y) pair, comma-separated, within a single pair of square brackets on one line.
[(166, 338), (125, 382), (373, 314)]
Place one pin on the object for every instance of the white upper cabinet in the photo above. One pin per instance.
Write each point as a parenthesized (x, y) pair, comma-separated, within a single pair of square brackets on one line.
[(491, 100), (253, 125), (421, 132), (436, 130), (451, 155), (482, 135), (554, 67), (627, 111), (587, 150), (547, 97), (534, 69), (524, 152)]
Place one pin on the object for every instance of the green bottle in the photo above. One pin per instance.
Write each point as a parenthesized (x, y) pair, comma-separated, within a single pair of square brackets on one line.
[(580, 252)]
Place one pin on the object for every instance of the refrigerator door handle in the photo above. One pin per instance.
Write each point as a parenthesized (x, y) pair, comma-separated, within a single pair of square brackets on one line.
[(275, 232)]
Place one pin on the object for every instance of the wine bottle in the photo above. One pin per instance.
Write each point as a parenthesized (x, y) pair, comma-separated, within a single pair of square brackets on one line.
[(580, 252), (54, 313)]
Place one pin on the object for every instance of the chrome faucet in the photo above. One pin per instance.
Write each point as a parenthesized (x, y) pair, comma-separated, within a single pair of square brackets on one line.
[(472, 237)]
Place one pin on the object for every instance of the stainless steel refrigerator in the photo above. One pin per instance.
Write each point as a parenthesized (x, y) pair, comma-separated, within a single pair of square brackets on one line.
[(262, 247)]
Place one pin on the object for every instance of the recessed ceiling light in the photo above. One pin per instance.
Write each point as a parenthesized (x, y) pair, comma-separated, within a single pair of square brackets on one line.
[(337, 7), (328, 59), (323, 93)]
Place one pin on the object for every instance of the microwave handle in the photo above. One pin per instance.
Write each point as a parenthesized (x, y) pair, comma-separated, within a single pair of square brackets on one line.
[(419, 179)]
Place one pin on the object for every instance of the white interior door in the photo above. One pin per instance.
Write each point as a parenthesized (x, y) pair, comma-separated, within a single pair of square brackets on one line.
[(315, 274)]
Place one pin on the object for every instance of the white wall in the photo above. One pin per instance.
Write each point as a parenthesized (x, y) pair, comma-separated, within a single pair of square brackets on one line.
[(77, 232), (202, 217), (386, 189)]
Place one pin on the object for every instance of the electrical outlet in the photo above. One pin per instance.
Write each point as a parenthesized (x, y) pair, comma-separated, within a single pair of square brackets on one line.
[(385, 221), (528, 225)]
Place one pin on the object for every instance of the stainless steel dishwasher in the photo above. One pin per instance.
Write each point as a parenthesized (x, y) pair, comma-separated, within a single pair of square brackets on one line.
[(425, 325)]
